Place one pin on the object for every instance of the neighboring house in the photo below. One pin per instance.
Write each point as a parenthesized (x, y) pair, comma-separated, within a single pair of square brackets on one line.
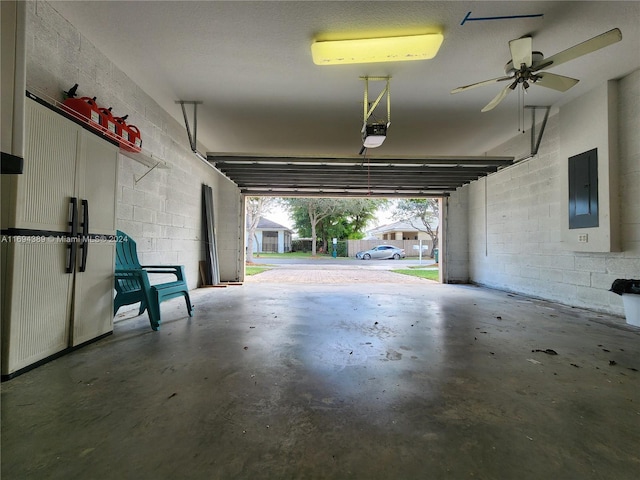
[(400, 234), (402, 231), (272, 237)]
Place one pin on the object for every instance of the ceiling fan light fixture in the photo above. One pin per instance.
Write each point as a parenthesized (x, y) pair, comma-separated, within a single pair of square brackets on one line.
[(531, 62), (373, 50)]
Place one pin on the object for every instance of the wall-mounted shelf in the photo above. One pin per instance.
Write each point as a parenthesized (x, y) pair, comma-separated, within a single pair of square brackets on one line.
[(127, 148), (145, 158)]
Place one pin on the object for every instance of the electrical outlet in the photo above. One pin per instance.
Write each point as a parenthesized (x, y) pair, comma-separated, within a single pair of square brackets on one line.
[(583, 238)]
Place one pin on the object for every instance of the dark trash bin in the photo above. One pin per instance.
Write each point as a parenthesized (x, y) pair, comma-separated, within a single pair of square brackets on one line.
[(623, 285)]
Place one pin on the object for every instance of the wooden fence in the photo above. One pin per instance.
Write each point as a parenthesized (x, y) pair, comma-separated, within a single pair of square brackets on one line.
[(411, 247)]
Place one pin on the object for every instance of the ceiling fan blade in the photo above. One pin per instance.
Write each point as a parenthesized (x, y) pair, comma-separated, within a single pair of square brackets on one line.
[(556, 82), (588, 46), (480, 84), (521, 52), (497, 99)]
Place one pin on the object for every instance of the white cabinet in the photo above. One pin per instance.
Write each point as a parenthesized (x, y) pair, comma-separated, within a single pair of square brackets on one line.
[(57, 261)]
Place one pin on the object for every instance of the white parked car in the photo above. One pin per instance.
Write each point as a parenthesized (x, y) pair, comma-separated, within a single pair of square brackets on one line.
[(382, 252)]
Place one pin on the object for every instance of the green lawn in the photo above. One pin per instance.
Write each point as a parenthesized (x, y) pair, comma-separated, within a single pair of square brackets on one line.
[(251, 270), (414, 272), (283, 255)]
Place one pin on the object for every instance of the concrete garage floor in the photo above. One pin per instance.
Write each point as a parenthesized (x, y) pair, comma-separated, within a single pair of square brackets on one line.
[(356, 380)]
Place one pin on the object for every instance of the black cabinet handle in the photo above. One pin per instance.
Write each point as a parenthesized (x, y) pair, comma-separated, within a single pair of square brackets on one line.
[(84, 241), (72, 245)]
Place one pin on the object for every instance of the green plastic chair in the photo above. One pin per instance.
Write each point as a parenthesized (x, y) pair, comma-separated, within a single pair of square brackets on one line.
[(132, 282)]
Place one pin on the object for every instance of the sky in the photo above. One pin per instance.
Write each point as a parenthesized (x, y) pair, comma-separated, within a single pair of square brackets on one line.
[(279, 215)]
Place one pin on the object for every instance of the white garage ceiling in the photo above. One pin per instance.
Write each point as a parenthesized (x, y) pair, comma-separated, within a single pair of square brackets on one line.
[(250, 64)]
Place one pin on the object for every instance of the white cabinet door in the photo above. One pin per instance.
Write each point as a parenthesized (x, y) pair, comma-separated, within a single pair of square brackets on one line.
[(96, 180), (45, 188), (36, 303), (36, 286), (93, 297)]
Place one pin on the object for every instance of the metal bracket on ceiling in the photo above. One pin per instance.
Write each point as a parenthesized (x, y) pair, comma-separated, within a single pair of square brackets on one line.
[(193, 138), (535, 142), (368, 109)]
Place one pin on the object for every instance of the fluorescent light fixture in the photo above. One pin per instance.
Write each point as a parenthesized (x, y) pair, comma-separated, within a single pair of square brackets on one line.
[(371, 50)]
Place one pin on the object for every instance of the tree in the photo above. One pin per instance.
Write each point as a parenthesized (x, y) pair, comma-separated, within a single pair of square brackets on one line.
[(327, 218), (350, 219), (427, 210), (316, 210), (256, 207), (360, 211)]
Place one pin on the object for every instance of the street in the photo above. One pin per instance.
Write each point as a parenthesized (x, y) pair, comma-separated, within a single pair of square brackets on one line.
[(322, 261)]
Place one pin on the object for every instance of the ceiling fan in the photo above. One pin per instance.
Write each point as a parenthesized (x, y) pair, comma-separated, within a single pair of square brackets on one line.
[(526, 66)]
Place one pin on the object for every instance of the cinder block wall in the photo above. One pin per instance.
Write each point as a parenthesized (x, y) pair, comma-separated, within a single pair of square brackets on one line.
[(454, 238), (163, 210), (514, 221)]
